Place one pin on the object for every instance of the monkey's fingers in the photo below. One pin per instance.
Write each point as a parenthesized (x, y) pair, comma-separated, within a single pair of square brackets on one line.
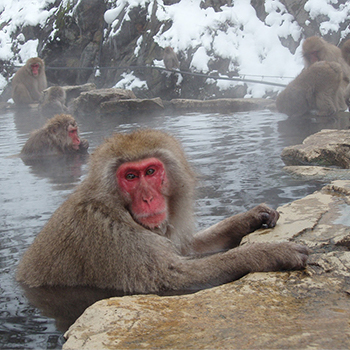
[(268, 216)]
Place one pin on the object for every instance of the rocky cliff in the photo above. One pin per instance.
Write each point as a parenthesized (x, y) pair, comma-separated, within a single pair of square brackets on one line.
[(106, 42)]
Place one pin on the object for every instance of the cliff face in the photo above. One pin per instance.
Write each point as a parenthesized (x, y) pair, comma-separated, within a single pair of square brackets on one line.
[(122, 39)]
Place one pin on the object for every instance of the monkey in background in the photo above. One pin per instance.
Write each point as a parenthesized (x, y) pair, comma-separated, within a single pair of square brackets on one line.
[(29, 82), (317, 49), (53, 101), (170, 59), (57, 137), (316, 88), (345, 50), (129, 226)]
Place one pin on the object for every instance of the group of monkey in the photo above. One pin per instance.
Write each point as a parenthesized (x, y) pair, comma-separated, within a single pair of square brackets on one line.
[(60, 133), (129, 225), (323, 86)]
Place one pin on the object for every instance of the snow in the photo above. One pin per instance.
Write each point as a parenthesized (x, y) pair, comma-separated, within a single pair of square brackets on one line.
[(253, 47), (130, 82)]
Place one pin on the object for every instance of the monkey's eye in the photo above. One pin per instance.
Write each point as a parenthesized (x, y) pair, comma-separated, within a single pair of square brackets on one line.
[(150, 171), (130, 176)]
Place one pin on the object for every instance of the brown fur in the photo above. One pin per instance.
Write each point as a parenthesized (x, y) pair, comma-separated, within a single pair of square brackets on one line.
[(53, 101), (347, 95), (315, 88), (52, 139), (345, 50), (92, 239), (324, 51), (170, 59), (26, 88)]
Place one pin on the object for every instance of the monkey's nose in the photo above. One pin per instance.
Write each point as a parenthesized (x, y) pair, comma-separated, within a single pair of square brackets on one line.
[(147, 199)]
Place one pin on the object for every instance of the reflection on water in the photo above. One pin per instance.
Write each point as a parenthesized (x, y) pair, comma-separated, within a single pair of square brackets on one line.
[(237, 156)]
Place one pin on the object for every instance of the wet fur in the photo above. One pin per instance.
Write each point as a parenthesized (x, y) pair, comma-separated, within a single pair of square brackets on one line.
[(52, 139), (92, 239), (53, 101)]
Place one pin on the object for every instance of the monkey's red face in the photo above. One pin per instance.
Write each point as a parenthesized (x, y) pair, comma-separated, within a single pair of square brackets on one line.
[(313, 57), (144, 183), (35, 69), (73, 135)]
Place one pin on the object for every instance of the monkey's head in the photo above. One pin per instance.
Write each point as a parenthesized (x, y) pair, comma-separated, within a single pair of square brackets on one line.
[(313, 48), (63, 129), (144, 170), (35, 66), (168, 50)]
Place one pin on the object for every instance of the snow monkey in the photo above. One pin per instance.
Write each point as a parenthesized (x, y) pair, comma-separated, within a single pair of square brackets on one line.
[(57, 137), (345, 50), (317, 49), (129, 226), (170, 59), (53, 101), (29, 82), (317, 88)]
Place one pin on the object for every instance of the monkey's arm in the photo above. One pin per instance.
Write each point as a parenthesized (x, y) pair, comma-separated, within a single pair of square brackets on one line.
[(225, 267), (228, 233)]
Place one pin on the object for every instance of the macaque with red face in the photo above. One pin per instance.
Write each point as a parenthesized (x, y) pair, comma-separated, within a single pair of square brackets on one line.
[(29, 82), (129, 226), (57, 137)]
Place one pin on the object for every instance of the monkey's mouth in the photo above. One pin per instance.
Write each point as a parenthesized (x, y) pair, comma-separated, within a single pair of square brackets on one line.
[(153, 220)]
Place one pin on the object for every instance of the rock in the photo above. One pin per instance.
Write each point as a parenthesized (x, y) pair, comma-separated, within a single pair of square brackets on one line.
[(303, 309), (90, 101), (111, 101), (325, 148), (139, 105), (318, 172), (73, 91), (219, 105)]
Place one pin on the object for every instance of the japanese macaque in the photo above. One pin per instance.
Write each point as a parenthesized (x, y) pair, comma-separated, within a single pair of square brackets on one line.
[(347, 95), (53, 101), (57, 137), (345, 50), (317, 49), (129, 226), (316, 89), (29, 82), (170, 59)]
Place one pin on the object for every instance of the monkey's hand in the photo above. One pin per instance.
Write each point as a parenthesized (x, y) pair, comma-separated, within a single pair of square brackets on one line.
[(84, 145), (228, 233), (262, 257), (262, 216)]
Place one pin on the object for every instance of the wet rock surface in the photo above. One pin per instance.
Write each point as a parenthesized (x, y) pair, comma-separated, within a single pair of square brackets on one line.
[(90, 100), (325, 148), (296, 309)]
